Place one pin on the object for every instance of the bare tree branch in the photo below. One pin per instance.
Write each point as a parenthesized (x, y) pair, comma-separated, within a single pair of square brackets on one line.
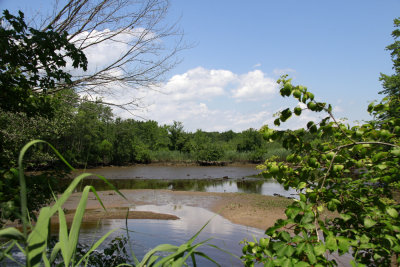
[(136, 45)]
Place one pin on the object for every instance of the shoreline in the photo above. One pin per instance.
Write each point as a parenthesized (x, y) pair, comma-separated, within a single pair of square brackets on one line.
[(253, 210)]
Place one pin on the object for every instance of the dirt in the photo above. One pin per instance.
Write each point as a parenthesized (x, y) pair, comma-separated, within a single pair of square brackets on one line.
[(247, 209)]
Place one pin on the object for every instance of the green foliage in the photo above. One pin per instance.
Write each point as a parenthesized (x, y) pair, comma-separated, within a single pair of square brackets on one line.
[(203, 148), (31, 65), (250, 140), (350, 171), (40, 189), (177, 136), (391, 83)]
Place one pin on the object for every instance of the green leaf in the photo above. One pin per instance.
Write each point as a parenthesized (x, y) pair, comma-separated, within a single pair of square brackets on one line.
[(285, 236), (282, 250), (319, 249), (343, 244), (364, 239), (392, 212), (345, 217), (287, 263), (11, 233), (302, 264), (369, 222), (37, 240), (310, 254), (300, 248), (395, 152), (289, 251), (301, 185), (292, 212), (331, 243)]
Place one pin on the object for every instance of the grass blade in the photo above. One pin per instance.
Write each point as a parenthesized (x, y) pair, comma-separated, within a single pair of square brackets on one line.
[(11, 233), (159, 248), (76, 223), (96, 245), (37, 239), (135, 260), (55, 251), (63, 237)]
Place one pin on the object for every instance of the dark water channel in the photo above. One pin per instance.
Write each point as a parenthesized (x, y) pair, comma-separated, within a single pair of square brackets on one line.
[(230, 179)]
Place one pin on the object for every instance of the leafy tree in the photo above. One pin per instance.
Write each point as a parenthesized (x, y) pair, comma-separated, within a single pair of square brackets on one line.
[(105, 149), (250, 140), (391, 83), (204, 148), (177, 136), (30, 59), (347, 177), (32, 63)]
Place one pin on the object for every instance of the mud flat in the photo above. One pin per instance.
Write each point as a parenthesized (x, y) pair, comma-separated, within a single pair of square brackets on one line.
[(252, 210)]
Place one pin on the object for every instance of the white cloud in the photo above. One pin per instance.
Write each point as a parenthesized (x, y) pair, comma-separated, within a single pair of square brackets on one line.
[(254, 86), (198, 83), (215, 100), (100, 55)]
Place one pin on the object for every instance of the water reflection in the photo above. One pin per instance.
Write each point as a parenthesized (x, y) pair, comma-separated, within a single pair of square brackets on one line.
[(175, 172), (248, 185), (149, 233), (230, 179)]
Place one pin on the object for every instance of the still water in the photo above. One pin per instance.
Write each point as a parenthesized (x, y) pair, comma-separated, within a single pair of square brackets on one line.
[(146, 234), (176, 172), (230, 179)]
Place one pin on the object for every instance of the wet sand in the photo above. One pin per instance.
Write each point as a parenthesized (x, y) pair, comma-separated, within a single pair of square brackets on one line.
[(247, 209)]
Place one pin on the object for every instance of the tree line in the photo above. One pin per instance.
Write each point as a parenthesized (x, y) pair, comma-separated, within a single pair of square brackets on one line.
[(88, 134)]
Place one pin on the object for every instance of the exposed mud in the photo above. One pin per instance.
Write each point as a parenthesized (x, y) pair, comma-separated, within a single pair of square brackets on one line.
[(247, 209)]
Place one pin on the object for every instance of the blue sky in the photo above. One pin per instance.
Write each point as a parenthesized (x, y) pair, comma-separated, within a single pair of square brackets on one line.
[(226, 80)]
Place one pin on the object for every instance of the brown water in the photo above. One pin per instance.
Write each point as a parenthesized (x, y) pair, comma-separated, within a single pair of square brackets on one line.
[(175, 172), (230, 179)]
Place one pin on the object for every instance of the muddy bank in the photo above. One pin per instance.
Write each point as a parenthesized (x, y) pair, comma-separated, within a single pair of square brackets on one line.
[(246, 209)]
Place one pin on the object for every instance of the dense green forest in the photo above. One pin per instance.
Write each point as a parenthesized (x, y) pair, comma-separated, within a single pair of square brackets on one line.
[(88, 134)]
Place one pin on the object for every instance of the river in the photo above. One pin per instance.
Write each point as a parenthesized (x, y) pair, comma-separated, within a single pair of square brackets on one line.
[(230, 179)]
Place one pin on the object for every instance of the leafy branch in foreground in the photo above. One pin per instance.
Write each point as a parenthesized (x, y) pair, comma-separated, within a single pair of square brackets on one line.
[(348, 179)]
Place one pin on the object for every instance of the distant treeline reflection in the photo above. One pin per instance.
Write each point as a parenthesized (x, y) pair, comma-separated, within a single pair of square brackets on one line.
[(202, 185)]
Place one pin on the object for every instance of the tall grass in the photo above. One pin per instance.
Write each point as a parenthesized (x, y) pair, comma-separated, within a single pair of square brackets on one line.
[(33, 242), (171, 156)]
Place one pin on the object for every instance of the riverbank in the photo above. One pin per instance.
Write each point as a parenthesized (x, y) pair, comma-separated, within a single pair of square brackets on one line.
[(252, 210)]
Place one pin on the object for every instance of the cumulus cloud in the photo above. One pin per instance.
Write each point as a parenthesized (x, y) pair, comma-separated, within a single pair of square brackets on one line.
[(253, 86), (102, 54), (215, 100), (198, 83)]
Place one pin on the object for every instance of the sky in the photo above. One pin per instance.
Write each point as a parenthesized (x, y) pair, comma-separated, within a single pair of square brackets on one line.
[(227, 79)]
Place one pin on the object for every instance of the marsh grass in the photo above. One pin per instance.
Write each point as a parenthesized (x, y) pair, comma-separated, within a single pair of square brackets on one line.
[(171, 156), (232, 156)]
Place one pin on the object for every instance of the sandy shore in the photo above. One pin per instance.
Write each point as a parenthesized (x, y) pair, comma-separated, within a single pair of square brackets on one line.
[(247, 209)]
